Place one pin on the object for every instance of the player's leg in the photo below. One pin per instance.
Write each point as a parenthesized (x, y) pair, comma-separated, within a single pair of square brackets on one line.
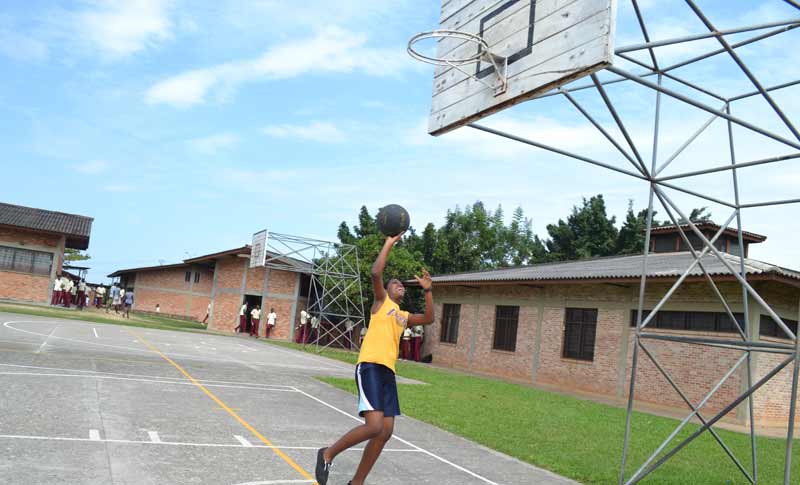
[(372, 451)]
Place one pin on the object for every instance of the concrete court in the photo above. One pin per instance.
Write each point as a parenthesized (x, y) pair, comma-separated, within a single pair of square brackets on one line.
[(96, 403)]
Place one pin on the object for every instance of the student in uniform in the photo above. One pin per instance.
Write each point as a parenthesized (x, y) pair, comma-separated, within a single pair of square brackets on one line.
[(64, 283), (416, 342), (405, 344), (255, 316), (302, 334), (271, 318), (81, 294), (315, 327), (115, 299), (242, 319), (375, 372), (72, 292), (56, 299), (208, 312), (99, 293), (128, 303)]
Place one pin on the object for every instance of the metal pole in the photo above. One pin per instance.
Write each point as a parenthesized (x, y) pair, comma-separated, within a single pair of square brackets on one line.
[(734, 166), (771, 88), (748, 328), (772, 202), (787, 466), (644, 32), (690, 38), (697, 104), (554, 150), (744, 68), (687, 143)]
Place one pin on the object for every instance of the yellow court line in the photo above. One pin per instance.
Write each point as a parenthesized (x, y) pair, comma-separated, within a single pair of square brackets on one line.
[(224, 406)]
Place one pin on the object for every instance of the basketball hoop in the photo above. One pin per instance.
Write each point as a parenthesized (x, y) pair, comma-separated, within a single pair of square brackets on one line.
[(499, 63)]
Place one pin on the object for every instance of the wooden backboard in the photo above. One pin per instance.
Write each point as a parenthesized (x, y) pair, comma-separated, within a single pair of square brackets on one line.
[(548, 43)]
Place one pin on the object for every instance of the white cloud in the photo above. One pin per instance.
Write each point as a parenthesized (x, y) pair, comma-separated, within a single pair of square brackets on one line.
[(315, 131), (331, 50), (214, 143), (119, 28), (93, 167)]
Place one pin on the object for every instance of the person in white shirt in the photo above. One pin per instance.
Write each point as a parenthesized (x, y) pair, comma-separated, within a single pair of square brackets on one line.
[(255, 316), (71, 293), (64, 290), (81, 294), (271, 318), (302, 332), (405, 344), (362, 335), (56, 299), (99, 296), (208, 312), (242, 319), (158, 308), (416, 342), (315, 327)]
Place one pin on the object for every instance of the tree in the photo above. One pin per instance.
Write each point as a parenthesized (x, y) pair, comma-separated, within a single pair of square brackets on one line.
[(75, 255), (587, 232), (632, 233)]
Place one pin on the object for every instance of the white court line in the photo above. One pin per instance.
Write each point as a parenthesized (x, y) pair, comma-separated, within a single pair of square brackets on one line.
[(154, 436), (178, 443), (46, 339), (94, 435), (243, 441), (151, 381), (180, 379), (95, 332), (150, 352), (417, 448)]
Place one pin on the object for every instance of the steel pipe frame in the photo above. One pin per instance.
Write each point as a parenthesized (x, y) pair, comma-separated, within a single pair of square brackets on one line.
[(332, 277), (749, 343)]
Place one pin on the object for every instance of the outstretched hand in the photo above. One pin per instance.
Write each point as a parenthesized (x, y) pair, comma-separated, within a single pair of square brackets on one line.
[(394, 239), (425, 282)]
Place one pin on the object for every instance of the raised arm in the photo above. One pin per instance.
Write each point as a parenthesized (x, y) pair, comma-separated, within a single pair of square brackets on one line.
[(377, 270), (427, 287)]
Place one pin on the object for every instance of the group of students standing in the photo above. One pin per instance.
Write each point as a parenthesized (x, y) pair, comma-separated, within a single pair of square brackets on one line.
[(255, 319), (411, 343), (66, 292)]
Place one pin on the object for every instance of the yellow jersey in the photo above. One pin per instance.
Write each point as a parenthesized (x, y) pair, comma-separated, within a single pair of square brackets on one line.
[(382, 342)]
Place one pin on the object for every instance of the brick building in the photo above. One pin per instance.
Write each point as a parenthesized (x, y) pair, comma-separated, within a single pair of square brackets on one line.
[(223, 279), (570, 325), (32, 244)]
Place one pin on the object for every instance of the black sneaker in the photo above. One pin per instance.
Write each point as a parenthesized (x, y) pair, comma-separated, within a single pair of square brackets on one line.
[(322, 469)]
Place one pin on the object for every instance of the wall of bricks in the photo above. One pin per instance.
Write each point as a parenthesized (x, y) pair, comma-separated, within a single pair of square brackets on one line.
[(538, 356), (23, 286), (226, 312)]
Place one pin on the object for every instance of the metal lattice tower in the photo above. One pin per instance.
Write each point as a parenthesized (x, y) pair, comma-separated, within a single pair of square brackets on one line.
[(335, 294), (655, 77)]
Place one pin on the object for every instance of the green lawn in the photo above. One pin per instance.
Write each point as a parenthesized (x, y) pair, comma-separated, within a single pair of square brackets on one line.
[(572, 437), (136, 320)]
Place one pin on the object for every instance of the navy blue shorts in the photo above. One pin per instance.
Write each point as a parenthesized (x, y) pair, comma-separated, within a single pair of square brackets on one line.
[(377, 389)]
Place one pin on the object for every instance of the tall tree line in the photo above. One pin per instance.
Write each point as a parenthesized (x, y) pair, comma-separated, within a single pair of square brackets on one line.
[(474, 238)]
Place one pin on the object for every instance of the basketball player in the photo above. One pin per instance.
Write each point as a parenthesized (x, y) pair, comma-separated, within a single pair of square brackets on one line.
[(375, 372)]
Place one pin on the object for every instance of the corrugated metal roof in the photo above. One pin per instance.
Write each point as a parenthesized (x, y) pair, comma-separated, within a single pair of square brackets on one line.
[(45, 220), (619, 267)]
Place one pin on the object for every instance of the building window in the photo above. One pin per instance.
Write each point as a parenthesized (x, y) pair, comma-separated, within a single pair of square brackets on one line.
[(25, 261), (188, 276), (769, 328), (451, 314), (197, 277), (506, 319), (664, 244), (580, 328), (692, 321)]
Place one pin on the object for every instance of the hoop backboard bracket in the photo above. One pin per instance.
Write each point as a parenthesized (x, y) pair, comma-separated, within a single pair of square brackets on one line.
[(529, 47)]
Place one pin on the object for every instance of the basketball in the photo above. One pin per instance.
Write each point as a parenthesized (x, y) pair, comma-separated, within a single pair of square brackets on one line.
[(393, 219)]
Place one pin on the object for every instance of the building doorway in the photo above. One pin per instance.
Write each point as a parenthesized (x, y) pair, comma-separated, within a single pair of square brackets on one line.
[(251, 301)]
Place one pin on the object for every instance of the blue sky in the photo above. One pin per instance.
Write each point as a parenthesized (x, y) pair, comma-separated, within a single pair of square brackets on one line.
[(183, 127)]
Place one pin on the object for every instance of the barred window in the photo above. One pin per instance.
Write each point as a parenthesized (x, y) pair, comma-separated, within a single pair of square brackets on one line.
[(692, 321), (25, 260), (506, 319), (451, 314), (580, 328), (187, 277), (197, 277), (769, 328)]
